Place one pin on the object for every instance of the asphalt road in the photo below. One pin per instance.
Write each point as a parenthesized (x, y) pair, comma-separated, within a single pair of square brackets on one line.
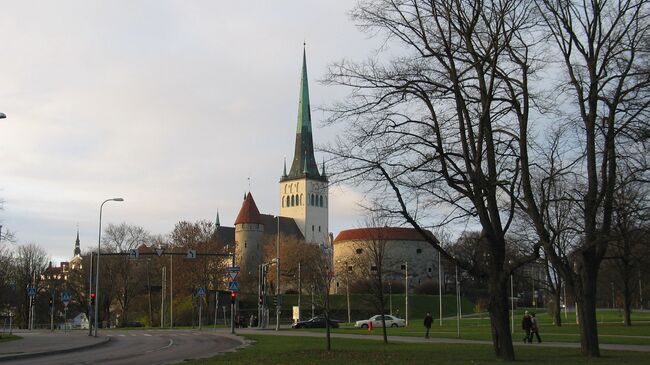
[(143, 347)]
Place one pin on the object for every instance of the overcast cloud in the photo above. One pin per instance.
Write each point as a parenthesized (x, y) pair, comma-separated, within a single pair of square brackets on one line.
[(169, 104)]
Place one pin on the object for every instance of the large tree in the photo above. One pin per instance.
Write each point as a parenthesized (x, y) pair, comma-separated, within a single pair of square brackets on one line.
[(604, 86), (436, 129)]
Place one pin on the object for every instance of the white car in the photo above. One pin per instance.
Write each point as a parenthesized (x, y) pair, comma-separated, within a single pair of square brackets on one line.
[(391, 321)]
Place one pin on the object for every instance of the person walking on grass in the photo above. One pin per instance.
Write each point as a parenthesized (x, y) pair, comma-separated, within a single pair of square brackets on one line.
[(527, 326), (428, 320), (534, 328)]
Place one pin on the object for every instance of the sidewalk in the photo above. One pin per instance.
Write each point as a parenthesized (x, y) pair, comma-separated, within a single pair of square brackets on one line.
[(407, 339), (43, 342)]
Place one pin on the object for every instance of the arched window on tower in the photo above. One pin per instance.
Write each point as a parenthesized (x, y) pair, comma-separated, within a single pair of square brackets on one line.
[(321, 201), (293, 201), (288, 201), (311, 199), (282, 202)]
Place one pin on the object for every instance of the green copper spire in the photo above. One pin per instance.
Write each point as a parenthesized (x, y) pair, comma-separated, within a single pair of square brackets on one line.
[(304, 164), (217, 223)]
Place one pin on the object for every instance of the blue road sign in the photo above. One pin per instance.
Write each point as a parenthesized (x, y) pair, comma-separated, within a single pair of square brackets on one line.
[(31, 291), (233, 269), (65, 297), (200, 292), (233, 286)]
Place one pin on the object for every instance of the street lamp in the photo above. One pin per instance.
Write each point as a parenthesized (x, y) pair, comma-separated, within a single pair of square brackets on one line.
[(99, 245), (2, 115)]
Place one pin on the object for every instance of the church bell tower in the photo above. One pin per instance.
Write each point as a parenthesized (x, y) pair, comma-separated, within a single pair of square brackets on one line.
[(304, 190)]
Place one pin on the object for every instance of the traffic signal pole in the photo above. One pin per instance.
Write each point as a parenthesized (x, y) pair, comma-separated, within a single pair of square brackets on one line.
[(233, 297)]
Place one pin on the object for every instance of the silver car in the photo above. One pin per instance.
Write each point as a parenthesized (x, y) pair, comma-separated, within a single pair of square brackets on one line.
[(391, 321)]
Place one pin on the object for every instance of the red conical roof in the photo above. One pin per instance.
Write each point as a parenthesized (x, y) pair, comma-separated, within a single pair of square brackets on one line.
[(248, 212)]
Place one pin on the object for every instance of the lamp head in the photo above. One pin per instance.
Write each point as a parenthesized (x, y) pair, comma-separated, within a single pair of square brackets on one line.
[(117, 199), (2, 115)]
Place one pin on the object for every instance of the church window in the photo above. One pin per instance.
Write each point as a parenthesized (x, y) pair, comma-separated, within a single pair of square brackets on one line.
[(311, 199), (359, 251), (321, 200), (288, 201), (419, 251), (297, 200), (282, 202), (293, 202), (312, 228), (430, 270), (245, 244), (318, 228)]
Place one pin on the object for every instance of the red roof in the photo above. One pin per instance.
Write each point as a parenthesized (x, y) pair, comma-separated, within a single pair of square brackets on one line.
[(384, 233), (248, 212)]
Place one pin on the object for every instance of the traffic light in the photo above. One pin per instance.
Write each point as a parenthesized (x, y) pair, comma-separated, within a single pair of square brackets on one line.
[(233, 297), (275, 300), (261, 299), (92, 299), (50, 302)]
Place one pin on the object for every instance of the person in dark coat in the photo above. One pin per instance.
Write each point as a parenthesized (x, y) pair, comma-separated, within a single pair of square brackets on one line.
[(428, 320), (534, 328), (527, 326)]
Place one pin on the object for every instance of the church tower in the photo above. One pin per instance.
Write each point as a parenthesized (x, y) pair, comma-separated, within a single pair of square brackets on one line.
[(304, 190)]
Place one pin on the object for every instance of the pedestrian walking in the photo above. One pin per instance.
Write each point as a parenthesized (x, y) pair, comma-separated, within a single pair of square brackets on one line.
[(428, 320), (527, 326), (534, 329), (397, 313)]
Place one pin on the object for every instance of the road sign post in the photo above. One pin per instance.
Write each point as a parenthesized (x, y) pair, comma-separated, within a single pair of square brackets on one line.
[(200, 293)]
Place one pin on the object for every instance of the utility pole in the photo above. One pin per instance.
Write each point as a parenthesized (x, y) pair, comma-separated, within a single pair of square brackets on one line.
[(216, 307), (300, 292), (406, 292), (390, 300), (457, 303), (90, 291), (163, 294), (171, 288), (440, 287), (277, 273)]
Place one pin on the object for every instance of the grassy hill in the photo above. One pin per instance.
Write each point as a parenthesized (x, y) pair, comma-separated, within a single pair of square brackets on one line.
[(361, 305)]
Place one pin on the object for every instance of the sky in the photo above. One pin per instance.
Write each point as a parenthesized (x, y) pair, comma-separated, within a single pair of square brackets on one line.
[(171, 105)]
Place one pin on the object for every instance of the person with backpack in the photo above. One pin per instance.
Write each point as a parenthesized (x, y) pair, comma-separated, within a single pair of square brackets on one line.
[(534, 329)]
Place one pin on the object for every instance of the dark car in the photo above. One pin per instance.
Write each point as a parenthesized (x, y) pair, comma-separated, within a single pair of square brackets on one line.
[(316, 322)]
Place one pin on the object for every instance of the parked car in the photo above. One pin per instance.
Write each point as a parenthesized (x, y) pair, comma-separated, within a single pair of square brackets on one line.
[(391, 321), (316, 322)]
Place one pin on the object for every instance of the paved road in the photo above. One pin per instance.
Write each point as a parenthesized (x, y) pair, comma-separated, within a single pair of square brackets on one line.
[(142, 347)]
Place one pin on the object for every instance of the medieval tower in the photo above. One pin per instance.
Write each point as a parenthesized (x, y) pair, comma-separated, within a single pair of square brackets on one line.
[(249, 235), (304, 190)]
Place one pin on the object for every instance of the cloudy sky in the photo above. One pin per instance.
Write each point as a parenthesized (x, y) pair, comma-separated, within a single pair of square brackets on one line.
[(171, 105)]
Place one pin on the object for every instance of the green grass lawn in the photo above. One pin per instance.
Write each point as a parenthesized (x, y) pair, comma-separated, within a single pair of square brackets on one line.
[(304, 350), (477, 327), (8, 337)]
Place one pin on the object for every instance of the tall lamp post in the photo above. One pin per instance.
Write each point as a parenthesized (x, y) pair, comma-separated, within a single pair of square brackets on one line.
[(99, 245), (2, 115)]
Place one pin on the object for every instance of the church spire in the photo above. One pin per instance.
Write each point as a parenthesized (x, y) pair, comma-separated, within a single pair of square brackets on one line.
[(304, 163), (77, 248), (217, 224)]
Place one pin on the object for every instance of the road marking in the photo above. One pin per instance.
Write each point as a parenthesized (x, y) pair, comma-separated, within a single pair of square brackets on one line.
[(146, 334), (122, 335), (171, 342)]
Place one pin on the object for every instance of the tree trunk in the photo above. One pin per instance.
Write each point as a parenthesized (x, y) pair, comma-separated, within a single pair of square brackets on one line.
[(586, 300), (627, 302), (328, 345), (557, 315), (383, 311), (500, 322)]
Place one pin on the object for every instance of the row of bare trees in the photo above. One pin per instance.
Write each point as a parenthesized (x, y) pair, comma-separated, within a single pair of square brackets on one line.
[(519, 117)]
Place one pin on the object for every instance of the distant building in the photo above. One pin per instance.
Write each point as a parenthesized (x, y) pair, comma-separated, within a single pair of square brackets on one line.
[(401, 246)]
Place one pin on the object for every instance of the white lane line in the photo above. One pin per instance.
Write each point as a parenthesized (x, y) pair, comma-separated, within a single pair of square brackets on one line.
[(122, 335), (171, 342), (146, 334)]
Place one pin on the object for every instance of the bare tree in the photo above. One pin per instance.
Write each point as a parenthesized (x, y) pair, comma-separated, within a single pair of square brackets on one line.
[(122, 270), (30, 262), (439, 129), (603, 50)]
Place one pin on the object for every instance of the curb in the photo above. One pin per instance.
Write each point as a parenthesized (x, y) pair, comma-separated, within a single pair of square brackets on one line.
[(28, 355)]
